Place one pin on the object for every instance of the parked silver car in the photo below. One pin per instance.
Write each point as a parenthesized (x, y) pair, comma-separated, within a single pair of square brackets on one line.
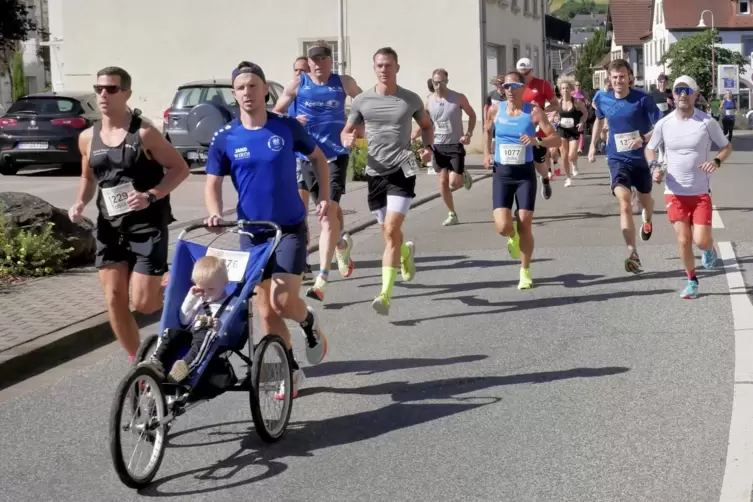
[(198, 110)]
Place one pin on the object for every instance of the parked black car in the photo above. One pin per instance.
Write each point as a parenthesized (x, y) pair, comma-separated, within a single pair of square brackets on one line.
[(44, 128), (198, 110)]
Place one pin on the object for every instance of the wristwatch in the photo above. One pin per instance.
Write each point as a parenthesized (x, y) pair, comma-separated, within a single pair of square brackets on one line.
[(151, 198), (718, 161)]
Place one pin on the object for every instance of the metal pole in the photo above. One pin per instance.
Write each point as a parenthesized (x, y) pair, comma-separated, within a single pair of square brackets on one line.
[(713, 58), (341, 37), (482, 38)]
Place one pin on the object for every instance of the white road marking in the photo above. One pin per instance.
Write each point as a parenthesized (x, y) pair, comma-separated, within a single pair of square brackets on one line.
[(716, 219), (737, 485)]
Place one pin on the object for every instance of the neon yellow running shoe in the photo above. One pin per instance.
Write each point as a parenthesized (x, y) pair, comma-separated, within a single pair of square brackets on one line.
[(513, 243), (525, 279)]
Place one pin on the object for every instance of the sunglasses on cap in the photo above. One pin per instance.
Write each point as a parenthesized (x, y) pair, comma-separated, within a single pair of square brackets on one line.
[(682, 89), (512, 85), (109, 89)]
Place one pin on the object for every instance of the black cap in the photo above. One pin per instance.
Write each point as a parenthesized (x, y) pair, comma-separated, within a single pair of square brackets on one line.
[(247, 67), (320, 51)]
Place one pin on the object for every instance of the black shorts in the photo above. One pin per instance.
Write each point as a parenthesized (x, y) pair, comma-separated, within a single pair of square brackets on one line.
[(290, 255), (338, 177), (569, 134), (539, 154), (514, 184), (144, 250), (392, 184), (630, 176), (449, 156)]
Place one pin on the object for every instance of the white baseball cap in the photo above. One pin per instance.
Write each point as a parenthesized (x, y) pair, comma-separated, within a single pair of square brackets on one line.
[(687, 80), (524, 64)]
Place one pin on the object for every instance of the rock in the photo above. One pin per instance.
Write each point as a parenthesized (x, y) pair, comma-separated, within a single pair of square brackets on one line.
[(27, 211)]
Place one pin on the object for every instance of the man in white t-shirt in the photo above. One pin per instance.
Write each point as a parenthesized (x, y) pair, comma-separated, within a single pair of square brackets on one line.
[(687, 135)]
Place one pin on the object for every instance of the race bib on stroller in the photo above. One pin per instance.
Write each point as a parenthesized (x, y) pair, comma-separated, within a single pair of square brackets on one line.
[(663, 106), (410, 167), (567, 122), (235, 262), (624, 141), (512, 155), (116, 199)]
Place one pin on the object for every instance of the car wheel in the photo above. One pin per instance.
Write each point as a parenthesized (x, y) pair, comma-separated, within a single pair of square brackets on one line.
[(8, 170), (205, 120)]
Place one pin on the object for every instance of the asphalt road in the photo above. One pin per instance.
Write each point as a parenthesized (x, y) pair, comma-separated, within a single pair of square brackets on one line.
[(594, 386)]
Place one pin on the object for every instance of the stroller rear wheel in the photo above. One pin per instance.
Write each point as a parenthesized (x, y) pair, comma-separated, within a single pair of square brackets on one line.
[(146, 349), (271, 393), (148, 409)]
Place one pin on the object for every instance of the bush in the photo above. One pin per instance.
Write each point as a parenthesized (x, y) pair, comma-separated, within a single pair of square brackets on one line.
[(30, 252)]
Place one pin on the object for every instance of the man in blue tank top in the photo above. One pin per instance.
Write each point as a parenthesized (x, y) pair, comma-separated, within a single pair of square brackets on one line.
[(632, 114), (319, 97), (511, 126), (258, 152)]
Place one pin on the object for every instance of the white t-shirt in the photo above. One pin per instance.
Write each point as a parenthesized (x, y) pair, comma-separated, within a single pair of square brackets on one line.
[(687, 145)]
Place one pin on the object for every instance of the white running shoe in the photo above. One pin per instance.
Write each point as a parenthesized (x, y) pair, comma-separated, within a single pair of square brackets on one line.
[(298, 379)]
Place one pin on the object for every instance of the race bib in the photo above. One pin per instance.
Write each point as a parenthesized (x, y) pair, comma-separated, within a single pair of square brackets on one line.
[(624, 141), (512, 155), (442, 127), (410, 167), (729, 112), (662, 107), (567, 122), (116, 199), (235, 262)]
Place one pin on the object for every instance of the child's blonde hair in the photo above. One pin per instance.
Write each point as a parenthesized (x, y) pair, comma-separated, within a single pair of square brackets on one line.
[(208, 268)]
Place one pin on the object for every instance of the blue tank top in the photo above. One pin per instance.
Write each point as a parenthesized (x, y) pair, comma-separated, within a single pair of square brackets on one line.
[(729, 104), (324, 108), (507, 131)]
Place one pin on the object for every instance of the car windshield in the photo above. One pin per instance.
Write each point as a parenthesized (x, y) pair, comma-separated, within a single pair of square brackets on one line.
[(43, 106), (188, 97)]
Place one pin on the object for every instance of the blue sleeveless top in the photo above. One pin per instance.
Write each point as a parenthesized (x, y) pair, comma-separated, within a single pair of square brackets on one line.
[(507, 131), (324, 108)]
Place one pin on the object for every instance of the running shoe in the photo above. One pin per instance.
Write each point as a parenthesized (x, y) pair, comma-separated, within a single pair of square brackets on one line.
[(647, 228), (452, 219), (467, 180), (408, 264), (525, 279), (513, 243), (381, 304), (633, 264), (298, 379), (344, 264), (709, 258), (575, 170), (690, 291), (316, 292), (546, 189), (558, 172), (568, 182), (316, 342)]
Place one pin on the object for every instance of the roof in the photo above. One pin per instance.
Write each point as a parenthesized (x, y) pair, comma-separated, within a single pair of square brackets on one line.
[(603, 62), (631, 19), (580, 38), (219, 82), (685, 14), (588, 20), (65, 94)]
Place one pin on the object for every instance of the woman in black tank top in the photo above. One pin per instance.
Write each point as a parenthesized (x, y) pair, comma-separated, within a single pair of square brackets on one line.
[(573, 116)]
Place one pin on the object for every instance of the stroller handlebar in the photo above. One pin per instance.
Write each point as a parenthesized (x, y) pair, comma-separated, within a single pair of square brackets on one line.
[(267, 226)]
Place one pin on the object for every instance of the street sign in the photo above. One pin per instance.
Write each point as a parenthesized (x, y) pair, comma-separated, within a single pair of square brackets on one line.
[(728, 79)]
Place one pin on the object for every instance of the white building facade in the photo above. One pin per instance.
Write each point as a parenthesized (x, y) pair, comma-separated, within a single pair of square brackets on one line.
[(167, 43)]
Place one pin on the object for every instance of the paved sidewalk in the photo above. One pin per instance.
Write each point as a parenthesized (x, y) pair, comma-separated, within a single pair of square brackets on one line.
[(47, 310)]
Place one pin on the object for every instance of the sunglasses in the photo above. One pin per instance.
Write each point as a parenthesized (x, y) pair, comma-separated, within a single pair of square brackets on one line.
[(688, 91), (512, 85), (437, 82), (110, 89)]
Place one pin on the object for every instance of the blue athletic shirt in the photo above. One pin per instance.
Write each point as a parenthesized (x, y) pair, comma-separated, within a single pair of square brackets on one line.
[(324, 108), (507, 131), (628, 118), (261, 164)]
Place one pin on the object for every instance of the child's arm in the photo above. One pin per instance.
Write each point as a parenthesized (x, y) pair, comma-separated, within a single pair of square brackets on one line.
[(190, 307)]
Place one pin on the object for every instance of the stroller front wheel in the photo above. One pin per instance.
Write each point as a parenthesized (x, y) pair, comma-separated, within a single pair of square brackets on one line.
[(140, 394), (271, 393)]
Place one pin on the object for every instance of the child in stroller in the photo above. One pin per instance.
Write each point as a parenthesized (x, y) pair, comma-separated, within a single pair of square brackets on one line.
[(197, 313)]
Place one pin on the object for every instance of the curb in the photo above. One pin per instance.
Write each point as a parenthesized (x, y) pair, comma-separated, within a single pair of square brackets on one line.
[(45, 352)]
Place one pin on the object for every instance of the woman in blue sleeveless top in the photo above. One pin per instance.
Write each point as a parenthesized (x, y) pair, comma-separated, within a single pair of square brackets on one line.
[(512, 125), (728, 108)]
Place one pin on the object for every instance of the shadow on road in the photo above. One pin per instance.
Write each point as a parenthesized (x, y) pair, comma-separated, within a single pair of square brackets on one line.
[(304, 438), (373, 366)]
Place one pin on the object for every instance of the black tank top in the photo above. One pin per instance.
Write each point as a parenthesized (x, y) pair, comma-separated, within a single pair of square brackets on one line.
[(116, 169), (572, 113)]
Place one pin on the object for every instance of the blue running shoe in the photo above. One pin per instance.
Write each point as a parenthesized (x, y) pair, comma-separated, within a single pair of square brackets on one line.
[(691, 290), (708, 259)]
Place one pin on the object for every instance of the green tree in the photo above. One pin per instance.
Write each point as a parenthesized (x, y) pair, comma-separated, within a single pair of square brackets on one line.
[(692, 56), (572, 8), (589, 56), (15, 24), (17, 75)]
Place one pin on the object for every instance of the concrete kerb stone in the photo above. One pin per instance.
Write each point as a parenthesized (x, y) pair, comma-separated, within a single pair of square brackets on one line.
[(45, 352)]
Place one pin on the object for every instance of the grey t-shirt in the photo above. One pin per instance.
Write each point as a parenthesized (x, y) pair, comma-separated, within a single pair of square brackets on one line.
[(388, 121)]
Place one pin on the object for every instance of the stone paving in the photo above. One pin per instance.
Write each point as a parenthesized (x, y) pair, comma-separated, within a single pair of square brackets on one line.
[(42, 306)]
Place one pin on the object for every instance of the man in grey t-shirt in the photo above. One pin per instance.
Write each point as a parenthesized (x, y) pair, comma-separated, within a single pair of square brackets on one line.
[(386, 112)]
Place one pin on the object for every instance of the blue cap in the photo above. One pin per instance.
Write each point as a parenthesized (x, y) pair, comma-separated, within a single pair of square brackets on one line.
[(247, 67)]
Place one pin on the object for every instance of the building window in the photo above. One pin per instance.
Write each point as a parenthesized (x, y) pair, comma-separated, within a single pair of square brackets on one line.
[(515, 53), (743, 7), (502, 59), (332, 44), (528, 51), (527, 6), (536, 60), (514, 4), (535, 7)]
